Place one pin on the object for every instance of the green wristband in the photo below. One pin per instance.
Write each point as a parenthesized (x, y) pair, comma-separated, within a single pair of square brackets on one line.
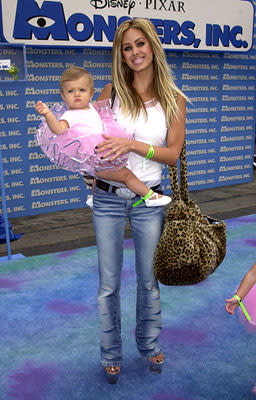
[(150, 153), (242, 306), (143, 198)]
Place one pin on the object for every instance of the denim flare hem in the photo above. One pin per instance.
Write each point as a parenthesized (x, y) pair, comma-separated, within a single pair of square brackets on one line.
[(111, 363), (150, 354)]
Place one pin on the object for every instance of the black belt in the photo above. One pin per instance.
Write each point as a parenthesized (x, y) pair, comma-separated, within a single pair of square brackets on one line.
[(106, 186)]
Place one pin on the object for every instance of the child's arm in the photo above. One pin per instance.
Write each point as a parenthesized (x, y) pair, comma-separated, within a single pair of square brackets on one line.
[(57, 127), (245, 286)]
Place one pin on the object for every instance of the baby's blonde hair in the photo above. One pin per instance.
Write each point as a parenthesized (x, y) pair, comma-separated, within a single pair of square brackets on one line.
[(74, 73), (164, 88)]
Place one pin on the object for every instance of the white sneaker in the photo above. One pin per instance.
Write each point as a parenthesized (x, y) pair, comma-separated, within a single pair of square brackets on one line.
[(156, 200), (89, 201)]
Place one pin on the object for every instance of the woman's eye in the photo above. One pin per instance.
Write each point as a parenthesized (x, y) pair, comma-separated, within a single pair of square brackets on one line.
[(140, 44), (127, 48)]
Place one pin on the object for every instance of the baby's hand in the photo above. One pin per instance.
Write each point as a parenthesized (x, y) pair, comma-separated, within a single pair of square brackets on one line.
[(231, 305), (41, 108)]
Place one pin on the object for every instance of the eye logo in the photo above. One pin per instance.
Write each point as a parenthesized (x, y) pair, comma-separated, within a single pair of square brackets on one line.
[(42, 22)]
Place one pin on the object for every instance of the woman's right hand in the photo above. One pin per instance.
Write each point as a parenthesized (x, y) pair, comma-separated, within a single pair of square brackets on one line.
[(115, 145)]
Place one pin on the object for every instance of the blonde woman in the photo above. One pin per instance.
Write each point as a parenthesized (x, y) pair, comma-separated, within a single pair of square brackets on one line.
[(145, 101)]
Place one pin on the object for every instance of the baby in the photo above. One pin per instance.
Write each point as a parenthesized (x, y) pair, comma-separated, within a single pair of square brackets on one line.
[(75, 135)]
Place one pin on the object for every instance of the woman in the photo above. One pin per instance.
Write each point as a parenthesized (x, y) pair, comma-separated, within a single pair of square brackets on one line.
[(149, 105)]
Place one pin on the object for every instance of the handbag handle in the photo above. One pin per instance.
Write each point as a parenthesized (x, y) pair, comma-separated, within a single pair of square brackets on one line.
[(180, 192)]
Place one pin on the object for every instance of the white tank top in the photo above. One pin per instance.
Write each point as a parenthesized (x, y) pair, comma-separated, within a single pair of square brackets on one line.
[(152, 130)]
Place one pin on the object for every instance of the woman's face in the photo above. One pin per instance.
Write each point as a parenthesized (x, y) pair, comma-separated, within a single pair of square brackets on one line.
[(137, 51)]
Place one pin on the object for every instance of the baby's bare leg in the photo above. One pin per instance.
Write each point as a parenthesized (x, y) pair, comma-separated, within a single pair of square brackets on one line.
[(124, 175)]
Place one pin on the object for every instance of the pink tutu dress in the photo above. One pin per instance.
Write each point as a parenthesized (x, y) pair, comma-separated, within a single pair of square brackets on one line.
[(74, 150), (250, 305)]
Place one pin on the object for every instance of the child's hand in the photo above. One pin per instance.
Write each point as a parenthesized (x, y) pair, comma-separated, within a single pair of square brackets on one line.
[(41, 108), (231, 305)]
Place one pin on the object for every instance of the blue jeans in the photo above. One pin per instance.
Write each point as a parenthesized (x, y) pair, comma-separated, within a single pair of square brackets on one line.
[(109, 217)]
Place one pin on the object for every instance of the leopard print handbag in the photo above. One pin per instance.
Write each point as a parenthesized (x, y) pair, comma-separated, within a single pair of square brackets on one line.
[(192, 245)]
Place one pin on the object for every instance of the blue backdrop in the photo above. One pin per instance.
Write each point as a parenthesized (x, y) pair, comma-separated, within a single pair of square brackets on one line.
[(220, 122)]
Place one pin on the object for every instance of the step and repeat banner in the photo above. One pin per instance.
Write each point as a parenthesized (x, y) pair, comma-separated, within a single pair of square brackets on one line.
[(212, 54)]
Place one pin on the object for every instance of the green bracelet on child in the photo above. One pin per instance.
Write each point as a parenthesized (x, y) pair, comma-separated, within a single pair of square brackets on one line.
[(150, 192), (150, 153), (242, 306)]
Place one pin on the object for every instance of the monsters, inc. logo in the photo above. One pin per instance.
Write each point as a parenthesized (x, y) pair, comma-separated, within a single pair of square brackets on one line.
[(180, 25)]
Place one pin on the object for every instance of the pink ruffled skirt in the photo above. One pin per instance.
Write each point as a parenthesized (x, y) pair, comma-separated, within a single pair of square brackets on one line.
[(250, 304), (73, 153)]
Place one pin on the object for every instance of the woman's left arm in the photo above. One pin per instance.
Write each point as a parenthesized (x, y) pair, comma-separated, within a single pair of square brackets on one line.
[(167, 155), (175, 137)]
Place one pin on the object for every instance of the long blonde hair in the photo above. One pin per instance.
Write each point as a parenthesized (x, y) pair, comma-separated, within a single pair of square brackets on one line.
[(164, 88)]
